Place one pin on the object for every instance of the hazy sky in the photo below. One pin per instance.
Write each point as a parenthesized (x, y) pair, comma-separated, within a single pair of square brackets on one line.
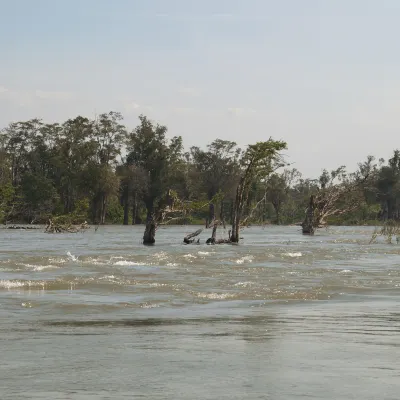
[(324, 75)]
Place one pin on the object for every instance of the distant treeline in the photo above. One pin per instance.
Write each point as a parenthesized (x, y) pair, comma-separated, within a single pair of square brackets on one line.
[(99, 171)]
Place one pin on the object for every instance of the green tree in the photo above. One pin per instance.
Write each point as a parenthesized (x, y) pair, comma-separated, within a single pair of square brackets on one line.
[(257, 163)]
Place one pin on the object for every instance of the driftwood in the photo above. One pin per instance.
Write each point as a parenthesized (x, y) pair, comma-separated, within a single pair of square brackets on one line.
[(54, 227), (189, 238), (22, 227)]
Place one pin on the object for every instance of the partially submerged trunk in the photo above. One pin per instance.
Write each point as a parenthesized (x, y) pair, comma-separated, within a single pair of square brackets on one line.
[(149, 236), (308, 223), (190, 238), (237, 208), (134, 210), (212, 239), (156, 216), (221, 214), (125, 201)]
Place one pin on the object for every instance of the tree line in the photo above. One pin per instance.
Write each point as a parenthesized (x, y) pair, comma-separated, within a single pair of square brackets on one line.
[(100, 171)]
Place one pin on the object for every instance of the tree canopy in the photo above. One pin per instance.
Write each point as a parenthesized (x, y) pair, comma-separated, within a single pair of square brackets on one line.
[(104, 172)]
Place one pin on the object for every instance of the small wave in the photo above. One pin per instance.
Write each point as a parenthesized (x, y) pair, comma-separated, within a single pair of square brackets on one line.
[(38, 267), (107, 277), (215, 296), (244, 259), (57, 260), (147, 305), (161, 255), (155, 284), (72, 257), (244, 284), (203, 253), (126, 263), (7, 284), (172, 265), (345, 271), (189, 256), (293, 255)]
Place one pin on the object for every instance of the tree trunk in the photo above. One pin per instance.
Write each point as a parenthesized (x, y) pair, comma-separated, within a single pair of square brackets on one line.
[(126, 206), (308, 223), (239, 200), (213, 237), (221, 214), (134, 210), (211, 215), (149, 236), (103, 209)]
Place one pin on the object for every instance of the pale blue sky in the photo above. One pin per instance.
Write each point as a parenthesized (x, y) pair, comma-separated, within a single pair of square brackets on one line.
[(324, 75)]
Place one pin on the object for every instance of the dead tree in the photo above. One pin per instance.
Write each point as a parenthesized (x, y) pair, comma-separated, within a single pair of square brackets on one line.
[(56, 227), (213, 237), (188, 239), (169, 209), (334, 199), (308, 223)]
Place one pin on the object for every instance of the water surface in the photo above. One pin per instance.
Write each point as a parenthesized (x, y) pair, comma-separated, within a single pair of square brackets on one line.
[(96, 315)]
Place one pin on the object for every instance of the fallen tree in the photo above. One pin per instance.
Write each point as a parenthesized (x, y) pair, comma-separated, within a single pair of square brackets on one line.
[(57, 227)]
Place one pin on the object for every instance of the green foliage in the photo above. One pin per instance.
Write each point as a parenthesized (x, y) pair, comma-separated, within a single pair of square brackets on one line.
[(94, 170), (115, 212)]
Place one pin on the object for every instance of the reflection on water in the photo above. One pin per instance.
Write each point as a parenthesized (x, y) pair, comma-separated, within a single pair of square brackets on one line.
[(282, 316)]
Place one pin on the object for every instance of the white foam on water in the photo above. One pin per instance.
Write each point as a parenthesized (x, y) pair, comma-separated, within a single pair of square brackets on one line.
[(7, 284), (345, 271), (172, 265), (293, 255), (11, 284), (146, 305), (244, 284), (161, 255), (245, 259), (203, 253), (57, 260), (155, 284), (39, 267), (72, 257), (127, 263), (215, 296), (189, 256)]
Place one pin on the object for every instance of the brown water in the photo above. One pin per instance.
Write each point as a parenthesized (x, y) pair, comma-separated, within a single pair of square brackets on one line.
[(97, 315)]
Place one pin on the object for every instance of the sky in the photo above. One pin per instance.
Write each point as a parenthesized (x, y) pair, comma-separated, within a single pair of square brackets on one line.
[(323, 75)]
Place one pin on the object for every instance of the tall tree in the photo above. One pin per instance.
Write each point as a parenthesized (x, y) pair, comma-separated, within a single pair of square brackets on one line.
[(219, 170), (150, 150), (257, 163)]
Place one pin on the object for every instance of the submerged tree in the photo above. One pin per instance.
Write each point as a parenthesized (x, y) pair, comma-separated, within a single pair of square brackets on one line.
[(151, 151), (257, 163), (218, 167)]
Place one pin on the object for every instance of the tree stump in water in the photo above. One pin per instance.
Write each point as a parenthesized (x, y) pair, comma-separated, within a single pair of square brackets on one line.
[(308, 223), (149, 236), (212, 239)]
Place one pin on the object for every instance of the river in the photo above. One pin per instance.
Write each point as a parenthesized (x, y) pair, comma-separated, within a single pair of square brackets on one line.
[(97, 315)]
